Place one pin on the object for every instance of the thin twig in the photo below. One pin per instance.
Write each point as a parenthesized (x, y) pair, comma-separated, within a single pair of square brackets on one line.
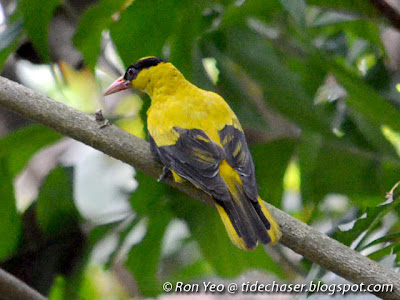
[(388, 11), (11, 288), (119, 144)]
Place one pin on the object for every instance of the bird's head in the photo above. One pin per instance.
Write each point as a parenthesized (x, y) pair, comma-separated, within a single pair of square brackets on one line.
[(138, 75)]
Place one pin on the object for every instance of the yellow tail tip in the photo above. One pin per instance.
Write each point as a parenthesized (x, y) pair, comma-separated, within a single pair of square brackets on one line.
[(274, 232), (236, 240)]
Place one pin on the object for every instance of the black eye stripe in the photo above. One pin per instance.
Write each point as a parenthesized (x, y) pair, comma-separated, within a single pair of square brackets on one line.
[(133, 70), (147, 63)]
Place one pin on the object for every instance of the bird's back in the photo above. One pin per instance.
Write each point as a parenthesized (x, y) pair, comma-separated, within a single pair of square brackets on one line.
[(188, 107)]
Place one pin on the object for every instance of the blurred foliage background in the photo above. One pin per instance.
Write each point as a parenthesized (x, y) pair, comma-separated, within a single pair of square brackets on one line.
[(315, 84)]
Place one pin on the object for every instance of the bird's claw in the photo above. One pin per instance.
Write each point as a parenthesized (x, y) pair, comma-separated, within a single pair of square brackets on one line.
[(164, 174)]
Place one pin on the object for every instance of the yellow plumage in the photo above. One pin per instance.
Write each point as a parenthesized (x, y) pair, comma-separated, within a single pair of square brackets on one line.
[(177, 102), (199, 138)]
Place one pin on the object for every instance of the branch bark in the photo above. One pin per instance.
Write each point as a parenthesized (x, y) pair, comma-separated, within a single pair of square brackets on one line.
[(13, 288), (119, 144)]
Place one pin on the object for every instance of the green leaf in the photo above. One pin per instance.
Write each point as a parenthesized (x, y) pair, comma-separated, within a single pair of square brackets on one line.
[(10, 34), (379, 254), (391, 238), (297, 8), (271, 161), (357, 29), (364, 99), (198, 269), (56, 212), (143, 29), (238, 14), (282, 87), (9, 39), (238, 91), (365, 8), (143, 259), (20, 145), (37, 16), (123, 234), (10, 220), (365, 224), (332, 166), (97, 18), (326, 18), (356, 125), (373, 134), (308, 162), (185, 54), (149, 202)]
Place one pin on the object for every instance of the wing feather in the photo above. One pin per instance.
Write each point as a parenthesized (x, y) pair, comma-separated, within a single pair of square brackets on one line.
[(196, 158), (199, 160), (238, 156)]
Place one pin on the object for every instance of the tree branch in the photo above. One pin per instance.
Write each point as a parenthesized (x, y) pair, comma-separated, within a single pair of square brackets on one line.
[(119, 144), (13, 288), (388, 11)]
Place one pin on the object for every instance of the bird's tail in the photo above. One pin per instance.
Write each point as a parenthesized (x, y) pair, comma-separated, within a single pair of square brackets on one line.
[(248, 222)]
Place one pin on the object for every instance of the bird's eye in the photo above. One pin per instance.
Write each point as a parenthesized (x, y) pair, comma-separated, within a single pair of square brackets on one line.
[(130, 74)]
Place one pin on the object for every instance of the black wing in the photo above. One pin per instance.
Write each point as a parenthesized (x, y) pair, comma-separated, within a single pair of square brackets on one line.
[(238, 156), (196, 158)]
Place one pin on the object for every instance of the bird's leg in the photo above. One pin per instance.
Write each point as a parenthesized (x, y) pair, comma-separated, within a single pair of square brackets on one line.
[(101, 120), (164, 174)]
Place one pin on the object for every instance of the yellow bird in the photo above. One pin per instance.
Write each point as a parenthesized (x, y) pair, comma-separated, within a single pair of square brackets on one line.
[(197, 137)]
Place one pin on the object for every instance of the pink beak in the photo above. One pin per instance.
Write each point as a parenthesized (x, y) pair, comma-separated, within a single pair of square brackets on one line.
[(118, 85)]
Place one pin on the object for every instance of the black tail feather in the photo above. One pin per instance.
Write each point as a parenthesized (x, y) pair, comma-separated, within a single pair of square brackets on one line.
[(240, 222), (247, 220)]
